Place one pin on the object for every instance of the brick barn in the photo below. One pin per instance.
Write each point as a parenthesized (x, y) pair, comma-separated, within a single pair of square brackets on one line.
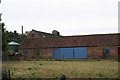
[(53, 46)]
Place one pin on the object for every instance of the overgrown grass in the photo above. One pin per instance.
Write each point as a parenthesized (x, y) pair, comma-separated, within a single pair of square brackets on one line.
[(71, 69), (38, 59)]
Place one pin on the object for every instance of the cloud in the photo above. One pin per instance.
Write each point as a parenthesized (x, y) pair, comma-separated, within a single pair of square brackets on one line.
[(64, 15)]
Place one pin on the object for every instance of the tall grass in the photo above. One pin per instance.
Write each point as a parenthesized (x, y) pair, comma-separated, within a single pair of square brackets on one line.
[(70, 69)]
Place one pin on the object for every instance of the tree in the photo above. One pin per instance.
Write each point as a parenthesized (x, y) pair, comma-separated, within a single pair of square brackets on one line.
[(3, 29), (4, 40), (9, 36), (14, 36), (15, 32), (27, 32)]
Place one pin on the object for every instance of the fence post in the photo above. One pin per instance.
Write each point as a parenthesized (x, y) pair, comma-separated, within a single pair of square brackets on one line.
[(9, 74)]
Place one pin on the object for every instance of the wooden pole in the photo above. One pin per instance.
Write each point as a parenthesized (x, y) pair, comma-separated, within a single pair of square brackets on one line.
[(9, 74), (22, 29)]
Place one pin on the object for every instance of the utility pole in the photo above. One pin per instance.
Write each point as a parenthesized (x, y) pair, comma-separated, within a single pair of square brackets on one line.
[(0, 46), (22, 29), (0, 16)]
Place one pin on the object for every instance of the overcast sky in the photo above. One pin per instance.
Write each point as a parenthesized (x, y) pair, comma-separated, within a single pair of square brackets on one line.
[(69, 17)]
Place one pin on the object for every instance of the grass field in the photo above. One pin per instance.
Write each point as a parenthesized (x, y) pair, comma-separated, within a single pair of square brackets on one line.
[(71, 69)]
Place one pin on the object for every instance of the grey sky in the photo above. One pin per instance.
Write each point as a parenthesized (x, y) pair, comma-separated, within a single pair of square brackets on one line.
[(69, 17)]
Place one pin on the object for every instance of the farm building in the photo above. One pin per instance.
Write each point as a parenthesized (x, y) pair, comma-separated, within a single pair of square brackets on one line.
[(54, 46)]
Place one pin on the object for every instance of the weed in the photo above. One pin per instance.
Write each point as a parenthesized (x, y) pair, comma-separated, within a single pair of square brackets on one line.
[(62, 77), (41, 64), (33, 74), (13, 68), (31, 68), (100, 75), (98, 60)]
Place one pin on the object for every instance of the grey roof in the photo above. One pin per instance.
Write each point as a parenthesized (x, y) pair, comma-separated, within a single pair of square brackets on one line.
[(13, 43), (44, 34)]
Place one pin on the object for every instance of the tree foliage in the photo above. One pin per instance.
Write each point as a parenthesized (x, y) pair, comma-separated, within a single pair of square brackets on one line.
[(3, 29), (10, 36), (14, 36)]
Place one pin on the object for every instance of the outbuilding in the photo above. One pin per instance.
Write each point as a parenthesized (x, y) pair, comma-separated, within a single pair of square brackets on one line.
[(49, 46), (13, 46)]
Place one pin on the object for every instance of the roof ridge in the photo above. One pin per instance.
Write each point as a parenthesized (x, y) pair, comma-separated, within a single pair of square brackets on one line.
[(93, 34), (41, 32)]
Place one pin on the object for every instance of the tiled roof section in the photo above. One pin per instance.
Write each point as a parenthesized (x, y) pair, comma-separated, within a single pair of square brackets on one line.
[(39, 34), (72, 41), (42, 33)]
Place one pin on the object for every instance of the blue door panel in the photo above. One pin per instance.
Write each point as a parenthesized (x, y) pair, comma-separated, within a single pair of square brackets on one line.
[(26, 53), (66, 53), (80, 52), (70, 53), (56, 53)]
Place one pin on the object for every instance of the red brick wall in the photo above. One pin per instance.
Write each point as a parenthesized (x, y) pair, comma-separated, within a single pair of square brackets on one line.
[(93, 52), (46, 53), (43, 53), (98, 52)]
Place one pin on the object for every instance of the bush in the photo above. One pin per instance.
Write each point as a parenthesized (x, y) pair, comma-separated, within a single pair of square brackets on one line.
[(5, 74), (62, 77)]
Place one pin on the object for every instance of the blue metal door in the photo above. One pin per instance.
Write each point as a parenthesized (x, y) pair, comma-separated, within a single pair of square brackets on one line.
[(70, 53), (80, 52), (66, 53), (56, 53), (26, 53)]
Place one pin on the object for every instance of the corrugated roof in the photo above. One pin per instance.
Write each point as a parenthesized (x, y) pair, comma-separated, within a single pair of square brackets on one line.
[(13, 43)]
